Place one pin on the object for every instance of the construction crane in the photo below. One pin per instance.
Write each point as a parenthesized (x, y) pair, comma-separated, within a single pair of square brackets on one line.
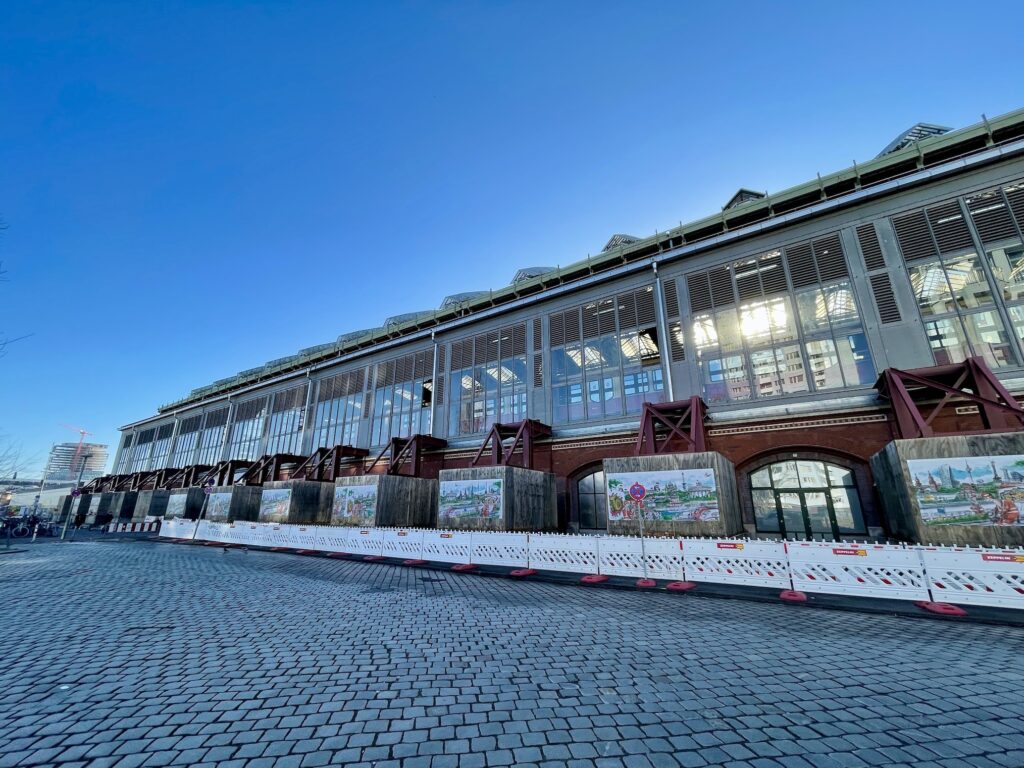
[(81, 439)]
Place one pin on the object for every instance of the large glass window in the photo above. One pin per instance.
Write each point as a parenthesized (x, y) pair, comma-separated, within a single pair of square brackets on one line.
[(402, 395), (339, 409), (488, 381), (161, 445), (186, 442), (211, 439), (247, 429), (957, 305), (773, 345), (803, 499), (284, 432), (611, 365)]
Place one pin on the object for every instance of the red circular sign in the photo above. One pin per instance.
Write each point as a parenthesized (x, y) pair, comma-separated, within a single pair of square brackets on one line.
[(637, 491)]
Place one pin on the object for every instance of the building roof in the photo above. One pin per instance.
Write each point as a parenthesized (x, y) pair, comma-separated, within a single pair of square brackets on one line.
[(743, 195), (920, 154), (913, 134)]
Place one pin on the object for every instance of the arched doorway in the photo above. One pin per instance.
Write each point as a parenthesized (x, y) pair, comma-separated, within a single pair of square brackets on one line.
[(806, 499), (589, 500)]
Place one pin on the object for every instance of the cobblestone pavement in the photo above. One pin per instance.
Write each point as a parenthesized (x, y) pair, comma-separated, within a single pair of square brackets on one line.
[(144, 654)]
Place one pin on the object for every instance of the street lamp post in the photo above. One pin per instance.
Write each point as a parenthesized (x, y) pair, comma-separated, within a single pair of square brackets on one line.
[(75, 493)]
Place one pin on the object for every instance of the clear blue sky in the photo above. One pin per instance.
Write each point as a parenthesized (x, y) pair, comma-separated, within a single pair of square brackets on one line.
[(192, 189)]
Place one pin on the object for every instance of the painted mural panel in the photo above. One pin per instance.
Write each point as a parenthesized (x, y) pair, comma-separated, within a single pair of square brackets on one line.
[(471, 500), (274, 505), (218, 507), (355, 505), (176, 505), (673, 495), (975, 490)]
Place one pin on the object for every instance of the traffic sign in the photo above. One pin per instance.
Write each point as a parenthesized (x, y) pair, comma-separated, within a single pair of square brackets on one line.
[(637, 492)]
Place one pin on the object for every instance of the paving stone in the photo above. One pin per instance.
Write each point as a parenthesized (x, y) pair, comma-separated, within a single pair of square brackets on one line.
[(429, 669)]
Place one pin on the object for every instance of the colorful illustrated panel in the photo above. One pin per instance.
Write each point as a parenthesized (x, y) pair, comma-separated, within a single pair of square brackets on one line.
[(471, 500), (175, 505), (685, 495), (976, 490), (218, 507), (274, 505), (355, 505)]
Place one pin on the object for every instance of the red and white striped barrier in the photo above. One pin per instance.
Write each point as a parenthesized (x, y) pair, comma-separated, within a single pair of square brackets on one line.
[(492, 548), (558, 552), (448, 547), (146, 527), (992, 577), (868, 570), (737, 561)]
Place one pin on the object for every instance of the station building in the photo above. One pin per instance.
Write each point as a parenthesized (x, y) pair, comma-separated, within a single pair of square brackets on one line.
[(797, 334)]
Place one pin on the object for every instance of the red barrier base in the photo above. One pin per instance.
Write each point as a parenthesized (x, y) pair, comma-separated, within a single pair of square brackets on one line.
[(306, 552), (280, 549), (792, 596), (593, 578), (646, 583), (680, 586), (464, 567), (337, 554), (945, 609), (521, 573), (373, 559), (414, 562)]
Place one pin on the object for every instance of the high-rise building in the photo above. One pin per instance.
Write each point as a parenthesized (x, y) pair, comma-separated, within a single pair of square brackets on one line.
[(67, 460)]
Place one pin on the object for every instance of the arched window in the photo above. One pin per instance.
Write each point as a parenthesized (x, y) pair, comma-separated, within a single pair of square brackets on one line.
[(803, 499), (592, 501)]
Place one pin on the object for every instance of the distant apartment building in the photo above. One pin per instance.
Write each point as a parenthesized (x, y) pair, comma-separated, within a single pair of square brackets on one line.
[(68, 459)]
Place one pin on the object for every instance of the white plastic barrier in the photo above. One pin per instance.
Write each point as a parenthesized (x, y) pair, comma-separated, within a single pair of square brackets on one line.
[(177, 528), (869, 570), (975, 576), (280, 535), (403, 543), (447, 546), (210, 531), (621, 556), (491, 548), (304, 536), (366, 541), (558, 552), (664, 559), (333, 538), (736, 561), (242, 534)]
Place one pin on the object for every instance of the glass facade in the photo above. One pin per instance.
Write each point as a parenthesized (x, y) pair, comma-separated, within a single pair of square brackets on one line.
[(402, 394), (247, 429), (284, 430), (762, 338), (211, 440), (186, 442), (606, 359), (339, 409), (489, 381)]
